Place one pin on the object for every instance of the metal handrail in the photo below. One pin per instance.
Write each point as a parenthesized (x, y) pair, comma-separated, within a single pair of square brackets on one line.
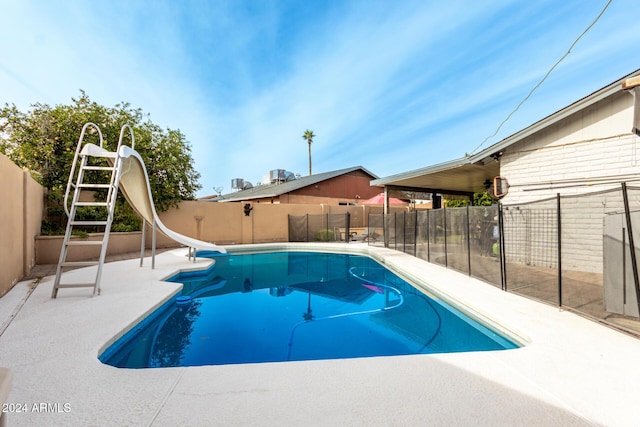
[(75, 161), (115, 177), (133, 140)]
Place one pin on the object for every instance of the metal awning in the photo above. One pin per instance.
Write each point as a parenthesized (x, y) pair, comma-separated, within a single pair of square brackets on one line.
[(454, 177)]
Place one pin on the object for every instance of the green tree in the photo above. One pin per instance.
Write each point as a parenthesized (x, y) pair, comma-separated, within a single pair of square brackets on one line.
[(479, 199), (44, 139), (482, 199), (308, 135)]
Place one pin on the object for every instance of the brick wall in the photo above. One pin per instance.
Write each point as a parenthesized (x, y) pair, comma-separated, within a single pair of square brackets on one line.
[(591, 150), (589, 153)]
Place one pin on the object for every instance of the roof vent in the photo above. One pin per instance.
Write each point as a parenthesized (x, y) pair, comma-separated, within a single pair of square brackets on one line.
[(237, 183)]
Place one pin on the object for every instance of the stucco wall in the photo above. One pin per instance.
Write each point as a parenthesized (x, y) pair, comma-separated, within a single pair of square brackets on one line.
[(32, 217), (220, 223), (48, 247), (20, 217), (226, 223)]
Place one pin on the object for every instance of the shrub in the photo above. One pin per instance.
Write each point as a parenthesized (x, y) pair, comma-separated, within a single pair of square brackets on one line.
[(324, 235)]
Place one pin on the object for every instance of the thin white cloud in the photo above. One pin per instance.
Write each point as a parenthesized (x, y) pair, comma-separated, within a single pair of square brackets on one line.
[(388, 86)]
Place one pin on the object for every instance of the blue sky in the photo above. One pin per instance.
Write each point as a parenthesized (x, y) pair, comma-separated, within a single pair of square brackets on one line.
[(391, 86)]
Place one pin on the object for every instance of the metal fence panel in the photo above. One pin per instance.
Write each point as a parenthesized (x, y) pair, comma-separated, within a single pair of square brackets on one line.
[(582, 240), (621, 304), (484, 245), (457, 238), (409, 233), (531, 240), (298, 228), (319, 228), (376, 230), (437, 241), (338, 227), (422, 235), (390, 231)]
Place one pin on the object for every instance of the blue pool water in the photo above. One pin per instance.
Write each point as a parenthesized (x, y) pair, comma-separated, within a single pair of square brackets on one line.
[(281, 306)]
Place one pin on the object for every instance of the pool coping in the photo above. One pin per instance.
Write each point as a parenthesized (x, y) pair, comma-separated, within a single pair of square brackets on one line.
[(571, 371)]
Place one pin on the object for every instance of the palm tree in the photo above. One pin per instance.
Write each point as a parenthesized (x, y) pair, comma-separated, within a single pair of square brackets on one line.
[(308, 135)]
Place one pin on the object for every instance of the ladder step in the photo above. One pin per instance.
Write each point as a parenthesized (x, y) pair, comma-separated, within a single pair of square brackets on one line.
[(89, 181), (76, 285), (94, 185), (79, 263), (84, 243), (88, 222), (105, 154), (92, 204), (98, 168)]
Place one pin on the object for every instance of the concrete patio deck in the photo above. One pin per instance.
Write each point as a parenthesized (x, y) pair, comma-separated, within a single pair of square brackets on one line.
[(571, 371)]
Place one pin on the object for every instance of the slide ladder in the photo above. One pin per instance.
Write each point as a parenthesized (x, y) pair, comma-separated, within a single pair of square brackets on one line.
[(99, 170), (122, 170)]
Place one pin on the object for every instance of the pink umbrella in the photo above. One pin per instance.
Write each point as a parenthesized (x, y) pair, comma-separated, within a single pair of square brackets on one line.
[(379, 200)]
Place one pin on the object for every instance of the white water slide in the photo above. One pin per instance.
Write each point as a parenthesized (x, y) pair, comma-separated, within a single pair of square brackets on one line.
[(134, 185), (129, 174)]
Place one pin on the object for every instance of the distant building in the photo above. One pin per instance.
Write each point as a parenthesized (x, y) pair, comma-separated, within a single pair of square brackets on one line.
[(339, 187)]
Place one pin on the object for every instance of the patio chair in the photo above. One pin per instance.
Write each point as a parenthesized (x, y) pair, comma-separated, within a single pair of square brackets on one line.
[(366, 235)]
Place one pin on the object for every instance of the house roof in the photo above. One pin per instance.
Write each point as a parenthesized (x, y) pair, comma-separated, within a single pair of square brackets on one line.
[(468, 174), (274, 190)]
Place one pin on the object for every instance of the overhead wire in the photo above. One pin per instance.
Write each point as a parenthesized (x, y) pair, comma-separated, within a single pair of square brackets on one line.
[(544, 78)]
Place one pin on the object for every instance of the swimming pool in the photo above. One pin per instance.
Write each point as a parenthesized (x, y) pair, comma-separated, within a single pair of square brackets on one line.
[(285, 306)]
